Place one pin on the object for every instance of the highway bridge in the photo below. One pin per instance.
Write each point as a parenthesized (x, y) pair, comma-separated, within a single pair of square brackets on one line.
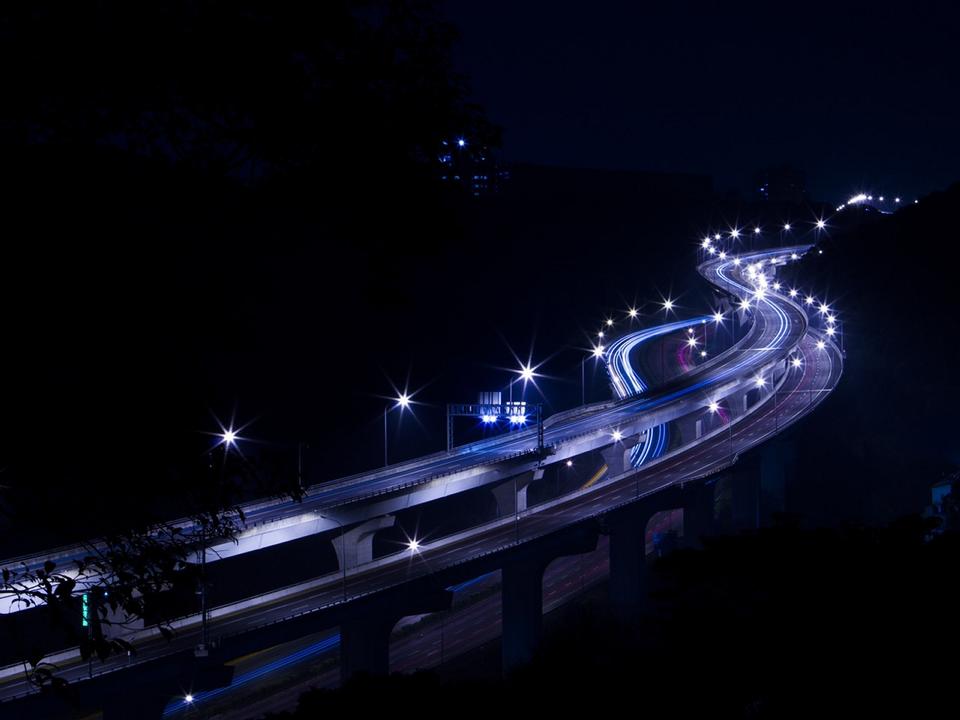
[(659, 445)]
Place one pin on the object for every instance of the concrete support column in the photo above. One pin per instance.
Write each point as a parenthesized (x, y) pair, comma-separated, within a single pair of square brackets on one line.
[(776, 458), (521, 589), (698, 513), (365, 646), (628, 563), (511, 495), (365, 633), (355, 546), (522, 611), (617, 456)]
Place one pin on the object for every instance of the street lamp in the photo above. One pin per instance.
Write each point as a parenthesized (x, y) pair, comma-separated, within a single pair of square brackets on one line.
[(596, 354), (402, 402)]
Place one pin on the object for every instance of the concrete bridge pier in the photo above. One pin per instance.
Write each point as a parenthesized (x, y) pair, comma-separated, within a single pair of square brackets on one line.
[(355, 546), (699, 512), (628, 553), (365, 636), (511, 495), (617, 456), (521, 591)]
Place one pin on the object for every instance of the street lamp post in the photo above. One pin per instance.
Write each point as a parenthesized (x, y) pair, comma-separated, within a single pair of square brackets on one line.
[(402, 402)]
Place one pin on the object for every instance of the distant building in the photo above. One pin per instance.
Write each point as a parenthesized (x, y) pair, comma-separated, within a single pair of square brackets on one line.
[(944, 504), (780, 185), (473, 167)]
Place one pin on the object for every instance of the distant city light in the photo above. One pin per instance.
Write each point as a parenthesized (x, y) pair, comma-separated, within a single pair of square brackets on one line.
[(616, 435), (756, 231), (821, 344), (692, 342), (744, 304), (717, 236), (714, 406), (690, 330), (668, 304), (461, 142), (609, 322), (188, 698), (723, 255), (569, 463), (831, 319), (414, 545), (598, 351), (600, 334), (735, 233), (703, 353), (736, 261), (794, 256), (824, 308), (718, 316), (793, 292), (404, 400), (705, 244), (831, 331), (776, 285), (786, 226), (857, 199), (809, 300), (526, 373), (821, 224), (896, 199), (229, 437), (632, 312), (796, 362), (760, 382), (518, 419), (488, 419)]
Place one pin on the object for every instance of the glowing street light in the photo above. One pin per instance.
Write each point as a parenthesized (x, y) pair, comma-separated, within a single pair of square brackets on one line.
[(745, 304), (794, 256), (821, 344), (831, 331), (736, 262), (723, 255), (413, 545), (632, 312), (760, 382), (756, 230), (616, 435), (776, 286), (786, 227), (668, 305), (821, 224), (609, 322), (714, 406), (188, 699), (403, 401), (796, 362), (706, 243), (569, 463), (793, 292), (810, 300), (718, 317), (824, 308), (526, 373), (735, 233), (598, 351), (600, 334), (229, 437), (692, 342), (717, 236)]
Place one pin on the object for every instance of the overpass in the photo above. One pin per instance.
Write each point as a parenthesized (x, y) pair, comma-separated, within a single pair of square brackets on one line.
[(770, 378)]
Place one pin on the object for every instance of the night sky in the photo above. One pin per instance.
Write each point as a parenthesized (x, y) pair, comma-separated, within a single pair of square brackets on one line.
[(858, 95)]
